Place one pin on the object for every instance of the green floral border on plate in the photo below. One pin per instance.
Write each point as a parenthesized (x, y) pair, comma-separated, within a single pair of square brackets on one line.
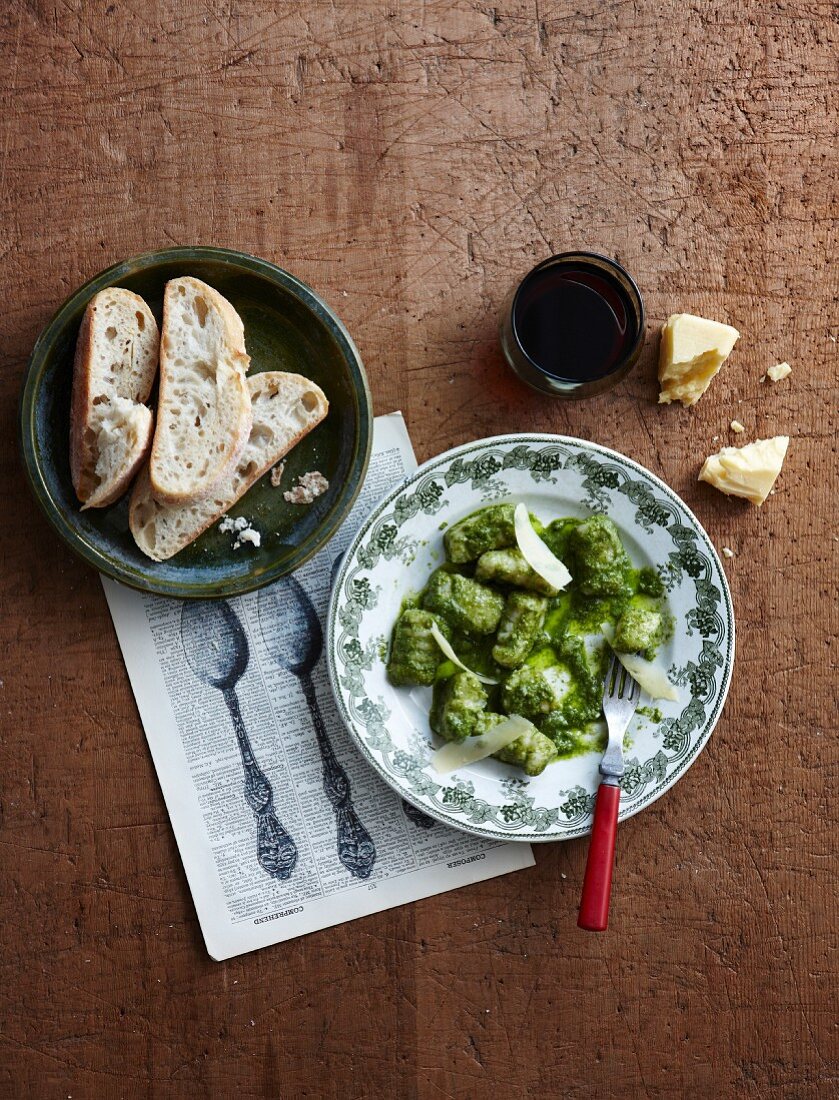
[(604, 472)]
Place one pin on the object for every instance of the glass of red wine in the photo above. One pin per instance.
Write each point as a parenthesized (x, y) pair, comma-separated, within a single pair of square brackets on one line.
[(574, 326)]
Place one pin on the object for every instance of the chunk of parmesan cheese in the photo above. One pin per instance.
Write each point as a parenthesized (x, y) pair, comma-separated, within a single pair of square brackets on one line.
[(536, 553), (748, 472), (457, 753), (692, 351), (443, 642)]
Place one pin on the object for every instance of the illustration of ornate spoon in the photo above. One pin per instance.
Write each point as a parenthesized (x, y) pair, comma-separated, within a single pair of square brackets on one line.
[(293, 637), (216, 648)]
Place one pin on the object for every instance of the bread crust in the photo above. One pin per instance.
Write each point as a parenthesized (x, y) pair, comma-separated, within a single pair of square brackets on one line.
[(80, 402), (240, 360), (83, 417)]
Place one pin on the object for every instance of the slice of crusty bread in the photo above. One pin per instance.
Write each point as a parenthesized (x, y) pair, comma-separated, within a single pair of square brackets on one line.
[(204, 410), (285, 408), (113, 373)]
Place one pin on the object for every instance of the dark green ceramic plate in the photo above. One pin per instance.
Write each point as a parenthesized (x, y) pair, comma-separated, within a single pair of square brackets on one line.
[(287, 327)]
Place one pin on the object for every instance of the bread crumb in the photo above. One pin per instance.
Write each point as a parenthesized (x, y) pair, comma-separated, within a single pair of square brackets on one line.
[(277, 475), (779, 371), (308, 487), (736, 426), (714, 438), (727, 552)]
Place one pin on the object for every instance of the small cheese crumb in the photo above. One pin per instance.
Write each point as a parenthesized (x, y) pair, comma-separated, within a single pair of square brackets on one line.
[(308, 487), (779, 371), (229, 524), (241, 527), (736, 426), (277, 475), (248, 535), (727, 552)]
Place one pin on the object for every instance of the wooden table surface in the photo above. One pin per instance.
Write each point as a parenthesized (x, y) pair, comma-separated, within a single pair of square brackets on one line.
[(411, 160)]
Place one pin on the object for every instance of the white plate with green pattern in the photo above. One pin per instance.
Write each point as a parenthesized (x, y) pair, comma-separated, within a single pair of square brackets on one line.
[(398, 547)]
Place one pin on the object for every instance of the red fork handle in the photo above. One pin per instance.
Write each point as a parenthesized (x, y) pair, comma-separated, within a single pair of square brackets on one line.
[(597, 884)]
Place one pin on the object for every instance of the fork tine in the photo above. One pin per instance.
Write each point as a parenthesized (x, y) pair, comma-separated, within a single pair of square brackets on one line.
[(620, 684), (610, 680)]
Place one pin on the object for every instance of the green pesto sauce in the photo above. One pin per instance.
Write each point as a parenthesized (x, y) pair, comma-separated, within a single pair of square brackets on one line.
[(476, 654), (412, 599), (653, 713), (579, 743), (570, 648), (445, 669), (556, 536), (648, 582)]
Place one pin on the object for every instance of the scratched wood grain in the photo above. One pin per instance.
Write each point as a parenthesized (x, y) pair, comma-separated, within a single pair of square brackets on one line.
[(411, 160)]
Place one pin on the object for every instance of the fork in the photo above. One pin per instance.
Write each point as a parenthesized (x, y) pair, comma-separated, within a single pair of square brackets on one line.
[(620, 698)]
